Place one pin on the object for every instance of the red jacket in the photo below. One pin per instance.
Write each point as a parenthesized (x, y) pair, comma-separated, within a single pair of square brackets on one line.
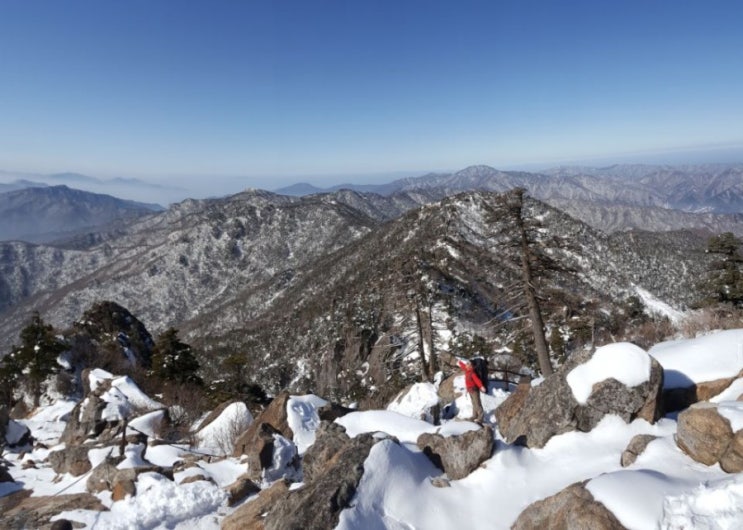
[(471, 381)]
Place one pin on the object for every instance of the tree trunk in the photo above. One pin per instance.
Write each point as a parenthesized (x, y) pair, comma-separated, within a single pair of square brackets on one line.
[(535, 314), (425, 371), (433, 360)]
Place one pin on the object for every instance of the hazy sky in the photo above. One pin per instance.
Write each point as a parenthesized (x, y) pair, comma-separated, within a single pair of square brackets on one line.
[(256, 88)]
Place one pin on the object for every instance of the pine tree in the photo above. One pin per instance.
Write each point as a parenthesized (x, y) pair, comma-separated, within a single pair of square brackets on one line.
[(518, 235), (724, 283), (174, 360), (35, 359)]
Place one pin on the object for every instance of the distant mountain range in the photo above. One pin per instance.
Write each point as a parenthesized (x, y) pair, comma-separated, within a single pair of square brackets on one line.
[(708, 188), (43, 214)]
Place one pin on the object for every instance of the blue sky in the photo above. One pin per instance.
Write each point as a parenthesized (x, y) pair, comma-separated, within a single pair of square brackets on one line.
[(321, 90)]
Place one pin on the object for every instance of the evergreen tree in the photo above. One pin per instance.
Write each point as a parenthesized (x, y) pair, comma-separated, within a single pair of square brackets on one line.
[(174, 360), (519, 238), (34, 360), (724, 283)]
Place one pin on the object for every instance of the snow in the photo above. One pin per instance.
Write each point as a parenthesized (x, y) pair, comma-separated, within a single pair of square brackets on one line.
[(220, 435), (416, 402), (15, 432), (123, 398), (663, 489), (708, 358), (714, 505), (623, 361), (159, 504), (658, 307), (733, 412), (303, 420)]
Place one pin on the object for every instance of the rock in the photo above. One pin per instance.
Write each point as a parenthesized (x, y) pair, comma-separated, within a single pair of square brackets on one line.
[(330, 438), (257, 446), (251, 515), (257, 441), (732, 460), (573, 508), (61, 524), (675, 399), (122, 488), (703, 434), (17, 434), (195, 478), (20, 511), (535, 415), (635, 448), (458, 455), (440, 482), (446, 390), (318, 504), (214, 414), (102, 477), (332, 411), (4, 419), (5, 475), (72, 460), (239, 490)]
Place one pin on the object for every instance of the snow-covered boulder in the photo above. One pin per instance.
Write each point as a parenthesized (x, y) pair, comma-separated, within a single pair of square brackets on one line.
[(619, 379), (109, 400), (458, 449), (420, 401), (17, 434), (573, 507), (712, 433), (218, 432), (701, 368)]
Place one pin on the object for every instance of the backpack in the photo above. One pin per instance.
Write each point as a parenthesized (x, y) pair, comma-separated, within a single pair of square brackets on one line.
[(480, 367)]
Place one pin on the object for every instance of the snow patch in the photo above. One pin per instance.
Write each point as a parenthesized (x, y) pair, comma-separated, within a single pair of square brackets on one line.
[(708, 358), (303, 420)]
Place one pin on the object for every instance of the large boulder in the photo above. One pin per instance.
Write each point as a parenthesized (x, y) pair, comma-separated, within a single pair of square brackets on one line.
[(458, 455), (73, 460), (705, 433), (317, 505), (573, 508), (619, 379), (274, 416), (330, 439)]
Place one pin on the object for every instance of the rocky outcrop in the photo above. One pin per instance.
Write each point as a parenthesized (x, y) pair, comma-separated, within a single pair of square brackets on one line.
[(19, 510), (330, 439), (574, 508), (252, 515), (5, 475), (533, 415), (4, 419), (707, 437), (318, 504), (274, 415), (635, 448), (458, 455), (241, 489)]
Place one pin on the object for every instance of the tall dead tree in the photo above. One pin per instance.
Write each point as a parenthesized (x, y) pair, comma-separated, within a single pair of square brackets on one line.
[(510, 213)]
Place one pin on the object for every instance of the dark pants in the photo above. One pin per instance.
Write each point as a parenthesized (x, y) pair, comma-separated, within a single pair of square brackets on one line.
[(477, 412)]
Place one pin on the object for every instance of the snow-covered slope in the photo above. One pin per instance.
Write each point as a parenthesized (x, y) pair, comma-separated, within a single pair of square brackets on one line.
[(663, 488)]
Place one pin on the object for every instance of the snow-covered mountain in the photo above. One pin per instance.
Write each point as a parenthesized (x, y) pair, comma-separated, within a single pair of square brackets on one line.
[(43, 214), (298, 279)]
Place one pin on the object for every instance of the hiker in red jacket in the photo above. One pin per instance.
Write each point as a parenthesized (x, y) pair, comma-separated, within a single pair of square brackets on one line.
[(474, 386)]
